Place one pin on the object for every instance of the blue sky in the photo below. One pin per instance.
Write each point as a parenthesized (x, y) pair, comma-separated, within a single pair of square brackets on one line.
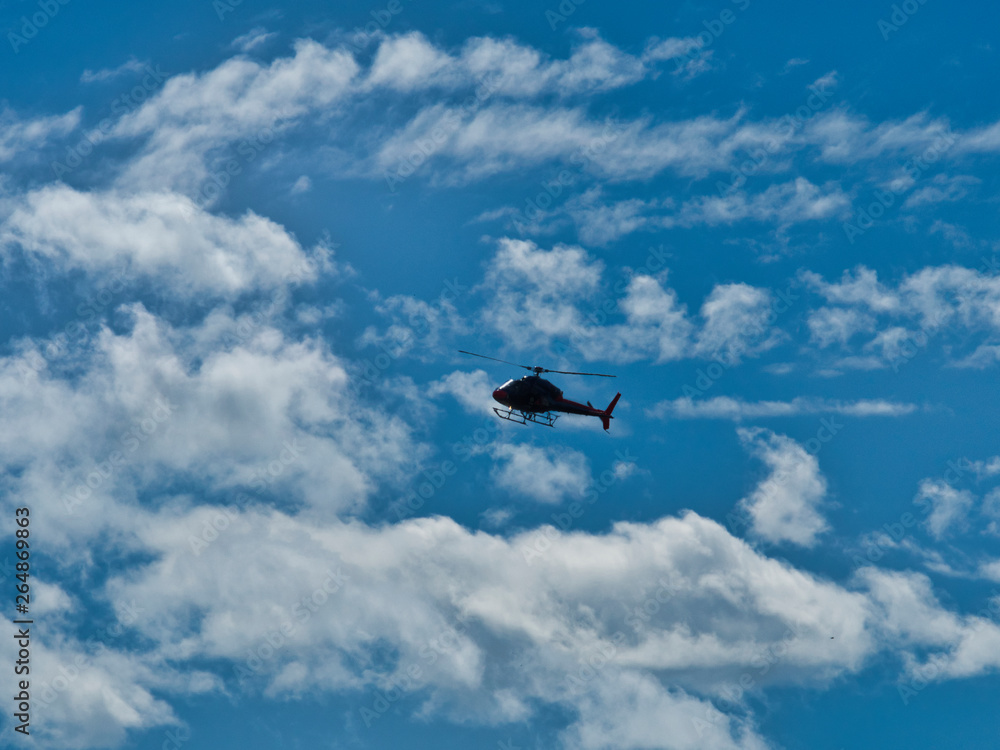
[(271, 506)]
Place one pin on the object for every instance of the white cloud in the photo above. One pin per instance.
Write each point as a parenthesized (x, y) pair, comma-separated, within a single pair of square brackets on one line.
[(131, 65), (471, 389), (987, 468), (847, 138), (411, 62), (657, 324), (726, 407), (826, 81), (501, 136), (829, 325), (599, 222), (162, 236), (20, 136), (194, 114), (931, 300), (478, 616), (92, 693), (940, 294), (861, 288), (941, 189), (254, 38), (405, 62), (549, 292), (785, 506), (535, 291), (949, 645), (990, 570), (548, 475), (667, 49), (555, 295), (789, 203), (737, 319), (688, 53), (230, 405), (958, 236), (506, 136), (417, 328), (499, 626), (302, 185), (948, 507), (985, 355), (636, 711)]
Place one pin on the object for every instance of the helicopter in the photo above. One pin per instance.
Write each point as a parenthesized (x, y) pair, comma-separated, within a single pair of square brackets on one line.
[(534, 399)]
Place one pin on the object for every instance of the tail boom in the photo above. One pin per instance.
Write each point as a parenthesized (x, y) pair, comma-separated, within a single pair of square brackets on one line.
[(572, 407)]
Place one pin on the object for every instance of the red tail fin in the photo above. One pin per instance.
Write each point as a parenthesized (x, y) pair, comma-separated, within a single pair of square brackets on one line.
[(606, 414)]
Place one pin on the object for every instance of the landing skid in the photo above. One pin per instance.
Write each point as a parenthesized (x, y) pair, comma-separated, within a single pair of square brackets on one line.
[(523, 417)]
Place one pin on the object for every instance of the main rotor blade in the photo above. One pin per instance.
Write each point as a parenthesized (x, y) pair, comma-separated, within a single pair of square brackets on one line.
[(539, 369), (596, 374), (496, 360)]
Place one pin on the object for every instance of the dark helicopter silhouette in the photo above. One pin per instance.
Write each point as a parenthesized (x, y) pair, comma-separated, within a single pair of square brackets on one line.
[(535, 399)]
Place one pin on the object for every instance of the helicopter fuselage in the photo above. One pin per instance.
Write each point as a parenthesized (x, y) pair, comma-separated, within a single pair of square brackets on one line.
[(533, 393)]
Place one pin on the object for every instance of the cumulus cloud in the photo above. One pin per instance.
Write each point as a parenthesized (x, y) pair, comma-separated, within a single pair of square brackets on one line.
[(156, 235), (93, 697), (556, 294), (830, 325), (232, 405), (656, 324), (632, 710), (941, 644), (471, 389), (737, 317), (548, 475), (451, 606), (537, 290), (931, 300), (457, 604), (949, 507), (785, 506)]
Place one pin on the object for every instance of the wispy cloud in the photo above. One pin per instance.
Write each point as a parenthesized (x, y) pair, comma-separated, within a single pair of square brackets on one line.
[(132, 65), (737, 410)]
